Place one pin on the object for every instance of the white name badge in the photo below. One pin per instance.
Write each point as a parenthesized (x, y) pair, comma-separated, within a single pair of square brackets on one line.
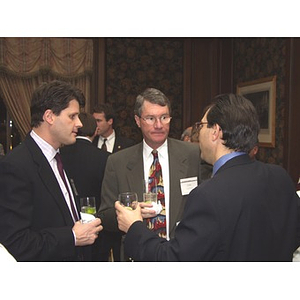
[(187, 184)]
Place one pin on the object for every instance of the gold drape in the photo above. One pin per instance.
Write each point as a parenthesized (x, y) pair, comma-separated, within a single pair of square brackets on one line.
[(27, 62)]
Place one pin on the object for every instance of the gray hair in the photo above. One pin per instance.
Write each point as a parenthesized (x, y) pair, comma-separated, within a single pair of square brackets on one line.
[(152, 95)]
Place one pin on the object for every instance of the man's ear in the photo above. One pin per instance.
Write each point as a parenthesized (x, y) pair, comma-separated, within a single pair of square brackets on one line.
[(217, 132), (110, 121), (137, 121), (48, 116)]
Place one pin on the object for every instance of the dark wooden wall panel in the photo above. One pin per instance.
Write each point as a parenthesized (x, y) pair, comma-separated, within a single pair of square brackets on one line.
[(207, 73), (292, 139)]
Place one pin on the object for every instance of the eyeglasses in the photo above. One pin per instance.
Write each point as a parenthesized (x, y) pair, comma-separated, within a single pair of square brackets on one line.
[(199, 125), (151, 120)]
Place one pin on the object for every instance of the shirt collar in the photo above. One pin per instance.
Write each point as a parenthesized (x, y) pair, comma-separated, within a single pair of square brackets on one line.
[(109, 137), (46, 148), (83, 138), (162, 150), (223, 159)]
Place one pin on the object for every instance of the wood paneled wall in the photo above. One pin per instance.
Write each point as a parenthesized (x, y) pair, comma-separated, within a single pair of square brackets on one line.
[(292, 130), (207, 73)]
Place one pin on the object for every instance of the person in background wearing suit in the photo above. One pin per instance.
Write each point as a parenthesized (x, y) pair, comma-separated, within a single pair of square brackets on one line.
[(248, 210), (106, 137), (85, 165), (39, 218), (127, 170), (108, 140)]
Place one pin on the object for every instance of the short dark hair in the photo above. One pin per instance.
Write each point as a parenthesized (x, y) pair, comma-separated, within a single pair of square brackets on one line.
[(107, 109), (152, 95), (89, 124), (238, 120), (56, 96)]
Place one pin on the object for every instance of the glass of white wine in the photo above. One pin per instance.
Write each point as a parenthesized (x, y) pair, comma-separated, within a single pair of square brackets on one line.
[(87, 207), (129, 200)]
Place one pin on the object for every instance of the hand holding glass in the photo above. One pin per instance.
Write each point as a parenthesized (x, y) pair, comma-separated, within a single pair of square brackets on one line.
[(129, 200), (148, 196)]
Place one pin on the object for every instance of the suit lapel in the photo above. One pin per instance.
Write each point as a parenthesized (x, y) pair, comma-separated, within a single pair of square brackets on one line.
[(135, 167), (48, 178), (178, 170), (177, 166)]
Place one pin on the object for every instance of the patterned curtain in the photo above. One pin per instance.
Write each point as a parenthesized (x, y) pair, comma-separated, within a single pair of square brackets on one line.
[(27, 62)]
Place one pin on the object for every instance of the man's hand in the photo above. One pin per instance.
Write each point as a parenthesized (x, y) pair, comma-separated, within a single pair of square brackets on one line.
[(86, 233), (127, 217), (146, 210)]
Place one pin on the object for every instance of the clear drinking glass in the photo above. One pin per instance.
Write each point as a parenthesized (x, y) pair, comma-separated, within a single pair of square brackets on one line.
[(149, 197), (129, 200), (88, 205)]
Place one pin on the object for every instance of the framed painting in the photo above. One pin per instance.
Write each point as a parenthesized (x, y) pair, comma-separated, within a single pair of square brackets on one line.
[(262, 93)]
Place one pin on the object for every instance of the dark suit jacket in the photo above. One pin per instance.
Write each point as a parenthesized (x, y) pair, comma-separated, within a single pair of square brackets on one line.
[(125, 172), (121, 142), (85, 164), (35, 222), (246, 212)]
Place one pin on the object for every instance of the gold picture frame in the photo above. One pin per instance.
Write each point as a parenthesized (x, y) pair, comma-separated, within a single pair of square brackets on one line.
[(262, 93)]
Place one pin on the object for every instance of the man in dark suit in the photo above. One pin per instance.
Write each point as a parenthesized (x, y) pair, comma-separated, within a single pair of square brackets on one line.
[(37, 207), (128, 169), (248, 210), (85, 165), (108, 140), (106, 136)]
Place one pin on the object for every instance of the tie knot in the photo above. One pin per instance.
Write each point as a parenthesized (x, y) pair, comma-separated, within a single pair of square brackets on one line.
[(155, 153), (103, 147), (57, 157), (58, 160)]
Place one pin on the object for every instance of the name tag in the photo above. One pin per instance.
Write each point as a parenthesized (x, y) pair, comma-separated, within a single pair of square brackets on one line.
[(188, 184)]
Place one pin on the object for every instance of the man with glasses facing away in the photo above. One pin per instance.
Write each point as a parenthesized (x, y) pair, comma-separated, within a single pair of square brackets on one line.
[(181, 165)]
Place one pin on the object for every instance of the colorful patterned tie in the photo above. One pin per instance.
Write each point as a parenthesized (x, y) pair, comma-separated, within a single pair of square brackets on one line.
[(156, 185), (62, 175)]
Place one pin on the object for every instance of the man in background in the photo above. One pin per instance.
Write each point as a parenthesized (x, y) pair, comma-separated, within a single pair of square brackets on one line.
[(106, 138)]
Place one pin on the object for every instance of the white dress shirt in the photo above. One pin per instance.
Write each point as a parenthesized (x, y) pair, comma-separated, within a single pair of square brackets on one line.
[(110, 142), (163, 158)]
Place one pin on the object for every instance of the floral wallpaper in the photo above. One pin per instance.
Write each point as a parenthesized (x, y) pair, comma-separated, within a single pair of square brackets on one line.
[(255, 58), (134, 64)]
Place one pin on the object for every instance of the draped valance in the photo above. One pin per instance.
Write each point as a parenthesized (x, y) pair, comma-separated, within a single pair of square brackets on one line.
[(27, 62), (62, 56)]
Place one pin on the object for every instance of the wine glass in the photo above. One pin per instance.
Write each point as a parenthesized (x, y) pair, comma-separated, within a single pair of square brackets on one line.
[(129, 200)]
